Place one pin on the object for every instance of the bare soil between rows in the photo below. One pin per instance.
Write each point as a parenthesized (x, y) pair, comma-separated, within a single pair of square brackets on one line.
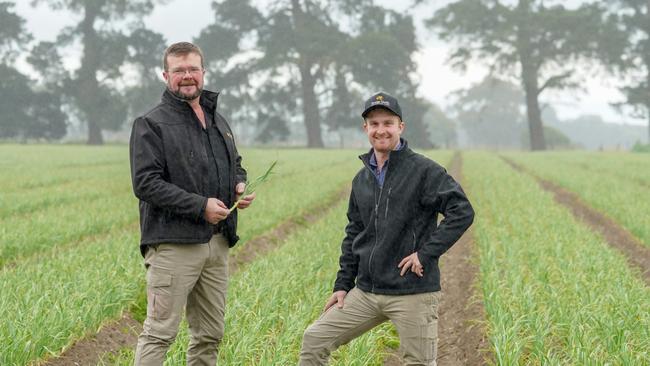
[(462, 338), (461, 322), (123, 333), (636, 253)]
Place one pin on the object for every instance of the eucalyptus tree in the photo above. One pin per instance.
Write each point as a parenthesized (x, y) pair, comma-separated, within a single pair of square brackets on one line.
[(490, 113), (303, 36), (229, 47), (13, 35), (27, 110), (380, 56), (102, 31), (443, 130), (14, 86), (634, 18), (144, 85), (48, 119), (541, 43), (324, 56)]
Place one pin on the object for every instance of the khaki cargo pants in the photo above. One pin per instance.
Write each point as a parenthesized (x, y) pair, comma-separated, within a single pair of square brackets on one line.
[(193, 277), (414, 316)]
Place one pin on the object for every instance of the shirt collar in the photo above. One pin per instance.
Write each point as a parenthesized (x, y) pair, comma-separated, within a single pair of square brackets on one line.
[(373, 159)]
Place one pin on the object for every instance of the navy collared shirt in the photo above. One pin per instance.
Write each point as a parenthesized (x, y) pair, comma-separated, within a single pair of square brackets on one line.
[(218, 163), (380, 174)]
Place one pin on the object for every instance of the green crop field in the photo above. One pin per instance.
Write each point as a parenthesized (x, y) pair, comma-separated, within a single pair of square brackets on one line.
[(555, 293), (616, 184), (553, 290)]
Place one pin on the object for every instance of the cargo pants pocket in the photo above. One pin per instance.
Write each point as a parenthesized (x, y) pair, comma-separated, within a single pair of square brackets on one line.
[(428, 343), (429, 330), (159, 293)]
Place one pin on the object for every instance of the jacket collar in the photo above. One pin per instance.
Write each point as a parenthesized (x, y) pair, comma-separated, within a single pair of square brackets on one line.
[(208, 100), (395, 155)]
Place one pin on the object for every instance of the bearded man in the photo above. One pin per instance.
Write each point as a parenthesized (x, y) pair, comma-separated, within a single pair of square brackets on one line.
[(186, 172)]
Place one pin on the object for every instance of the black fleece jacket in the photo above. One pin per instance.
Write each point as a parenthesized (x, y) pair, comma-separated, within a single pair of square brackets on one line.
[(391, 222), (169, 170)]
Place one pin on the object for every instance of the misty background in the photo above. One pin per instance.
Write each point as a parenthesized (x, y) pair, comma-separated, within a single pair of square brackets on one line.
[(490, 74)]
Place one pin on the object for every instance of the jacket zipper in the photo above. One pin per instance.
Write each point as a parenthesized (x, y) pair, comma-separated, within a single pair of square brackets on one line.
[(372, 252), (377, 203), (387, 201)]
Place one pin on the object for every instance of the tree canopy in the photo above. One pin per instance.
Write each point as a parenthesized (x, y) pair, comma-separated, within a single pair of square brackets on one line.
[(634, 61), (537, 42), (28, 111), (92, 88), (320, 58)]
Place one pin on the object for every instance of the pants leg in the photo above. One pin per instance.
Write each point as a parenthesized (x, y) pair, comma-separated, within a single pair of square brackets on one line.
[(336, 327), (206, 306), (416, 320), (172, 271)]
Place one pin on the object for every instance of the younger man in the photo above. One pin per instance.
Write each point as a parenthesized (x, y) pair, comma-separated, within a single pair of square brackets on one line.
[(389, 256)]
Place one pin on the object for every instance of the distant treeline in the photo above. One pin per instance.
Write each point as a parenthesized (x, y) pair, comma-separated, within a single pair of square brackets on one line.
[(311, 62)]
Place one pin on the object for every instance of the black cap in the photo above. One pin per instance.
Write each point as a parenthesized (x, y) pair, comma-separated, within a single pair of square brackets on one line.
[(382, 100)]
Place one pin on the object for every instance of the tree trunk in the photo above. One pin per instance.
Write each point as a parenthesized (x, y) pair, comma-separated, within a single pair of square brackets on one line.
[(534, 114), (88, 86), (529, 71), (307, 83), (310, 106), (94, 133)]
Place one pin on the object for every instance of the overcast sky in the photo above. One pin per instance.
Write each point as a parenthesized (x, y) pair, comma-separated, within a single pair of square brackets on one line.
[(178, 21)]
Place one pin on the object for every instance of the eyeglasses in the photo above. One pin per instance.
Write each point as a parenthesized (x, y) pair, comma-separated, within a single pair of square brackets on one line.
[(194, 71)]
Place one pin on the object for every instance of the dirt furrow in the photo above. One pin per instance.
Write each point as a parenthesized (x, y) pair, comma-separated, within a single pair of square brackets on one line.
[(462, 337), (637, 254), (114, 336)]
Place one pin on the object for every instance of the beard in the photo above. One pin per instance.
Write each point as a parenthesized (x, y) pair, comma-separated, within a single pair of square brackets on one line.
[(187, 97)]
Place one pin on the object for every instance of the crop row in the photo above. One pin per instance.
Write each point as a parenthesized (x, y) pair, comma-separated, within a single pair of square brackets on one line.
[(628, 167), (42, 219), (609, 191), (554, 292), (28, 167), (53, 297), (273, 300), (49, 301)]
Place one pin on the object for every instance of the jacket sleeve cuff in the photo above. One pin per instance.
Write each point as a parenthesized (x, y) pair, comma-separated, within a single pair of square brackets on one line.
[(203, 206), (342, 285), (341, 288)]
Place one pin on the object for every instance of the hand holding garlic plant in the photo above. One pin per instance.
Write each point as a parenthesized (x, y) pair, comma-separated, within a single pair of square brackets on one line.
[(246, 192)]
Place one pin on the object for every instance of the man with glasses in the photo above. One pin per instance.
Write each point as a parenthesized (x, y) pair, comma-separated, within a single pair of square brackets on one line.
[(186, 172)]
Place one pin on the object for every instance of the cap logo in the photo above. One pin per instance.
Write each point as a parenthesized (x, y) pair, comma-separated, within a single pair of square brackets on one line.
[(379, 102), (379, 98)]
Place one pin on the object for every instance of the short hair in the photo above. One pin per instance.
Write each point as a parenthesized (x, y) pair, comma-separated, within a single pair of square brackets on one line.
[(181, 49)]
